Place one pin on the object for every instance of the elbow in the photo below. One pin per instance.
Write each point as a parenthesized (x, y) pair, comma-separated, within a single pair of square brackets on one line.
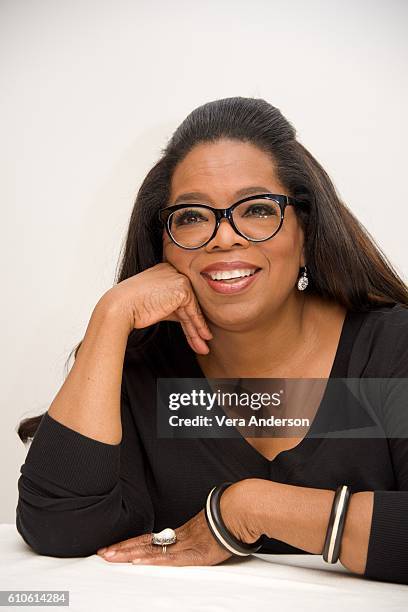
[(51, 538), (66, 526), (78, 527)]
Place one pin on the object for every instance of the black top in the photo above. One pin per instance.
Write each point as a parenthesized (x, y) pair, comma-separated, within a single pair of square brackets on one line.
[(77, 494)]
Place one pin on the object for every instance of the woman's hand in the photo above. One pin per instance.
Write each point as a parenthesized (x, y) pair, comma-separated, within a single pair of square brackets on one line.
[(161, 293), (195, 543)]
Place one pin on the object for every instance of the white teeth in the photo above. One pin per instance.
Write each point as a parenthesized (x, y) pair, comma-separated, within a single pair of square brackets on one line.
[(226, 274)]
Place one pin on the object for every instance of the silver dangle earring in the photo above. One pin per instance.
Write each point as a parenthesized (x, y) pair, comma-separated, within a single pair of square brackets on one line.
[(303, 281)]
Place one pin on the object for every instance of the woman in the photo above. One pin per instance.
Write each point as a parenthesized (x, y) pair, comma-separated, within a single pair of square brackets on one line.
[(315, 299)]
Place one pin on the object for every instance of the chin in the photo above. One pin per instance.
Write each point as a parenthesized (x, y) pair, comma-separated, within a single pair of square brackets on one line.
[(234, 317)]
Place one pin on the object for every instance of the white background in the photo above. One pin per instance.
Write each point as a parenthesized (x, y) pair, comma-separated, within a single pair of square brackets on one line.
[(90, 93)]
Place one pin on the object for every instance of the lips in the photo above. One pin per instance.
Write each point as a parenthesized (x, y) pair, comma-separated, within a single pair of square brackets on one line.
[(222, 266), (237, 285)]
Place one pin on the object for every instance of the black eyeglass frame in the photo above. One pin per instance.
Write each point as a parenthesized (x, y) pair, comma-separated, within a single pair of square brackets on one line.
[(226, 213)]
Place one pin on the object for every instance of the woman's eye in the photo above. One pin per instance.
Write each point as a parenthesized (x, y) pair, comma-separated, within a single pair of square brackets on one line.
[(188, 218), (260, 210)]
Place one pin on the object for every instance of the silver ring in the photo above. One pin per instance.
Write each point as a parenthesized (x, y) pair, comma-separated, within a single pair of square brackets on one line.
[(164, 538)]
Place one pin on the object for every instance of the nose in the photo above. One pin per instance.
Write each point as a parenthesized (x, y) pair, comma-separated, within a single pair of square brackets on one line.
[(226, 237)]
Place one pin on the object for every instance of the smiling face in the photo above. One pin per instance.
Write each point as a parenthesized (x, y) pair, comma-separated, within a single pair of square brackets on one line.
[(219, 170)]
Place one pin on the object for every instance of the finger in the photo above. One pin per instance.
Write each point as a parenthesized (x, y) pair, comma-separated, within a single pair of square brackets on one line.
[(197, 344), (124, 551), (191, 332), (193, 346), (142, 539), (193, 311), (125, 544), (118, 557), (126, 555), (185, 557)]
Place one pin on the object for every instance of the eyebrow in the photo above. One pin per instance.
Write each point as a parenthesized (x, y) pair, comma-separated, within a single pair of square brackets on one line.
[(192, 195)]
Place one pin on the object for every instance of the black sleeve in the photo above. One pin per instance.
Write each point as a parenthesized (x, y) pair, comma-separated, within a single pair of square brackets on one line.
[(387, 557), (77, 494)]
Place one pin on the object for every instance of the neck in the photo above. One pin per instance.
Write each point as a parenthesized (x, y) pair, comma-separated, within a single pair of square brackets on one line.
[(266, 348)]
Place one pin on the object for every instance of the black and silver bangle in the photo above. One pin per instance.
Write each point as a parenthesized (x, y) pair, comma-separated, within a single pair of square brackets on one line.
[(218, 528), (332, 543)]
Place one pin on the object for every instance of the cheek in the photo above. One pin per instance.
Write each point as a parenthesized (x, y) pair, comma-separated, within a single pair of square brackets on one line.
[(279, 255), (282, 260), (284, 249), (176, 257)]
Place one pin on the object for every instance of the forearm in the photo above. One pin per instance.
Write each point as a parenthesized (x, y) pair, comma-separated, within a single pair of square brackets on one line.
[(89, 399), (300, 517)]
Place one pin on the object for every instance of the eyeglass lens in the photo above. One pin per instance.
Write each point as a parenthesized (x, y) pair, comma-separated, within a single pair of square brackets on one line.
[(258, 219)]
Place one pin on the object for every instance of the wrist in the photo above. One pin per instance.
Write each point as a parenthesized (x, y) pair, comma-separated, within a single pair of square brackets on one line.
[(110, 309), (239, 506)]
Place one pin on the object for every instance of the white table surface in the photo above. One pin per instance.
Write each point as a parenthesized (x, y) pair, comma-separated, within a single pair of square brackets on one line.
[(262, 582)]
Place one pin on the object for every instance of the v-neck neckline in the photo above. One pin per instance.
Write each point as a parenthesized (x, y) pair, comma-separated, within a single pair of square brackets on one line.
[(289, 458)]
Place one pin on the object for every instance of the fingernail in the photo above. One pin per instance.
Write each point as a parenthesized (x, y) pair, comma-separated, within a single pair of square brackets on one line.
[(110, 553), (135, 561), (101, 551)]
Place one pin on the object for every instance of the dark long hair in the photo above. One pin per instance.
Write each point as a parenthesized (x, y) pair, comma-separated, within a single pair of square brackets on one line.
[(344, 262)]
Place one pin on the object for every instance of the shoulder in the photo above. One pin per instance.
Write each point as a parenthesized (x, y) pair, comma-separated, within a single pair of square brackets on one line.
[(384, 336), (395, 315), (389, 322)]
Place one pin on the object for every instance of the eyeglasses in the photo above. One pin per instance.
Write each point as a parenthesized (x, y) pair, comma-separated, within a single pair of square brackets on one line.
[(255, 218)]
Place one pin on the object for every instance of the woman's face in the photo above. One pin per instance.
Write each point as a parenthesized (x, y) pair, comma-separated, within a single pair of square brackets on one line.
[(218, 171)]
